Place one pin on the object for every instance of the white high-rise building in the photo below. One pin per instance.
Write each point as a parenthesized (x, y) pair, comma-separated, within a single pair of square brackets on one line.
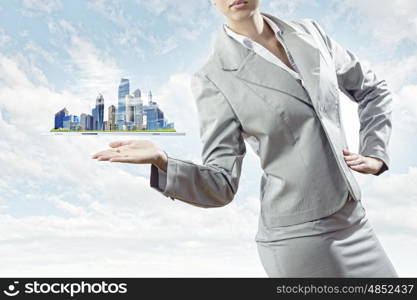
[(129, 111), (137, 109), (129, 108)]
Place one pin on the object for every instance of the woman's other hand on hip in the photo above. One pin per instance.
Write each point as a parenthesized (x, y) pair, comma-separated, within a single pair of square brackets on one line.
[(362, 164)]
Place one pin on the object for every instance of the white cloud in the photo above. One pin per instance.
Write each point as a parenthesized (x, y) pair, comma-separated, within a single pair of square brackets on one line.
[(24, 33), (110, 9), (4, 37), (400, 75), (46, 6), (161, 45), (177, 241), (97, 71), (398, 72), (189, 18), (93, 70), (408, 96), (175, 97), (285, 8), (184, 12), (406, 106), (10, 73), (391, 205), (130, 37), (187, 33), (390, 22), (34, 51)]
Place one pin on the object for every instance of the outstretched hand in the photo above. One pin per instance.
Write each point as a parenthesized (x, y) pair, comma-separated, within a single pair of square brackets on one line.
[(133, 151), (362, 164)]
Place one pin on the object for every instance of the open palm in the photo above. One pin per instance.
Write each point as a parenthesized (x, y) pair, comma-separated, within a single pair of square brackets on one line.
[(130, 151)]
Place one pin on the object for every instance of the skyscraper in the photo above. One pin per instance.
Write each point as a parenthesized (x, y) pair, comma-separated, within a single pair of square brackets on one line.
[(94, 113), (137, 109), (129, 108), (83, 121), (129, 112), (59, 118), (150, 98), (154, 116), (112, 117), (89, 122), (66, 122), (71, 122), (74, 122), (137, 93), (100, 112), (124, 89)]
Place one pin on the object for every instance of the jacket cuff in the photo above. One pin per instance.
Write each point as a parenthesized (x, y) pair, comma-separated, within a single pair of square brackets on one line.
[(158, 180), (382, 156)]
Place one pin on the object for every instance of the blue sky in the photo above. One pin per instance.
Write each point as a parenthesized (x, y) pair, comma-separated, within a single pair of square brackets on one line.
[(56, 53)]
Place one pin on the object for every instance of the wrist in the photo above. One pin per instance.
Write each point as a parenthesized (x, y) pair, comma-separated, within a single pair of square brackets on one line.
[(379, 164), (161, 160)]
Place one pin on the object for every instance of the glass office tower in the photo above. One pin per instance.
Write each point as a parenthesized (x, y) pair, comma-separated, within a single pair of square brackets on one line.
[(59, 118), (95, 122), (100, 112), (124, 89)]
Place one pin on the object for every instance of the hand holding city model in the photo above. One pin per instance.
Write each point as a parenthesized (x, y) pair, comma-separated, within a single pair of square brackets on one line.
[(135, 152)]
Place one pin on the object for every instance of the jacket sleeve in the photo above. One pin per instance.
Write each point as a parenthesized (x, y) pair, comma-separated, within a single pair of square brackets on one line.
[(213, 183), (374, 100)]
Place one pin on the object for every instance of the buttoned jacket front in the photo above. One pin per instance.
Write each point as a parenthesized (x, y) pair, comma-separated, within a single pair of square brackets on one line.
[(242, 97)]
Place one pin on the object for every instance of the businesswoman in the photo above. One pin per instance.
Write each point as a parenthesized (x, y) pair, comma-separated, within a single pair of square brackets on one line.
[(275, 84)]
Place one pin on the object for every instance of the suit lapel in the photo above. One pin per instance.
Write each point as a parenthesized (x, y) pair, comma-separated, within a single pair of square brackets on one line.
[(261, 72), (250, 67)]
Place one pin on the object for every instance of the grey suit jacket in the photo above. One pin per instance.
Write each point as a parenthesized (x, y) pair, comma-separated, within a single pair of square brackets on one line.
[(296, 131)]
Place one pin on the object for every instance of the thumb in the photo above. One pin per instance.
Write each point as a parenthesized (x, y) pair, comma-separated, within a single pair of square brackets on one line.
[(346, 152)]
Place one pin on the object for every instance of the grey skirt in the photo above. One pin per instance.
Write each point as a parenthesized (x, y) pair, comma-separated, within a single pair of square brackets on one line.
[(340, 245)]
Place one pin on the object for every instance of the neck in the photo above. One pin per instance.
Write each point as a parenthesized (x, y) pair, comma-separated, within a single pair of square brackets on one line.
[(254, 27)]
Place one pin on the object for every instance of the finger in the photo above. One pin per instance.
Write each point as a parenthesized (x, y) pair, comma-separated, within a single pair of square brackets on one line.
[(354, 162), (104, 152), (108, 155), (111, 155), (96, 155), (104, 157), (347, 152), (351, 157), (362, 168), (120, 143), (122, 159)]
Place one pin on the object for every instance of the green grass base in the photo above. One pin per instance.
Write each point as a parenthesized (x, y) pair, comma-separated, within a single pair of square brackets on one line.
[(158, 130)]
